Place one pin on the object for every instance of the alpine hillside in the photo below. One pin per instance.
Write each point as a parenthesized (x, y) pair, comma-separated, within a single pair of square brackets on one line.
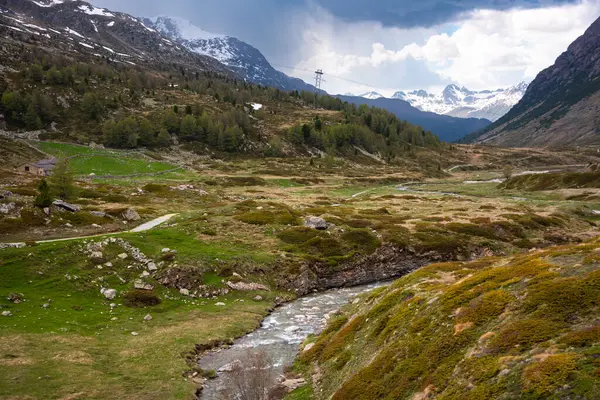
[(448, 128), (560, 106), (240, 57), (78, 28)]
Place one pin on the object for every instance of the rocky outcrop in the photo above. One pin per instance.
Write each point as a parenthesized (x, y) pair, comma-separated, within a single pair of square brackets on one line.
[(130, 215), (66, 206), (315, 223), (561, 105)]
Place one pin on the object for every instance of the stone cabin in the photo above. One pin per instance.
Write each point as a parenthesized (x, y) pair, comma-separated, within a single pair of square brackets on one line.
[(40, 168)]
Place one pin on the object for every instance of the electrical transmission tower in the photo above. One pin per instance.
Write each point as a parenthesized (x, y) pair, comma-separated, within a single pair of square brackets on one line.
[(318, 80)]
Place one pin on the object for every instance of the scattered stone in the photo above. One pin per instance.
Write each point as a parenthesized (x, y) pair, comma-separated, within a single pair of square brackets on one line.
[(231, 366), (123, 256), (112, 305), (15, 298), (96, 226), (68, 225), (45, 305), (258, 298), (148, 317), (315, 223), (46, 210), (100, 214), (293, 384), (184, 291), (66, 206), (108, 264), (220, 304), (109, 294), (152, 266), (166, 250), (114, 318), (131, 215), (246, 286), (6, 314), (144, 274), (198, 380), (96, 256), (504, 372), (139, 284), (6, 208), (308, 347), (134, 333)]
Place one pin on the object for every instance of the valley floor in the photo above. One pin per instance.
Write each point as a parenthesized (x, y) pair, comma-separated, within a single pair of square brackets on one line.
[(236, 248)]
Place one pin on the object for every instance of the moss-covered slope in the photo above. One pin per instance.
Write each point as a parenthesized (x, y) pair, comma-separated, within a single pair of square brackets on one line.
[(522, 327)]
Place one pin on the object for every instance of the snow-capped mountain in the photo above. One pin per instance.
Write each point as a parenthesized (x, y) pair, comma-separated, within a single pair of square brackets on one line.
[(464, 103), (371, 95), (239, 56)]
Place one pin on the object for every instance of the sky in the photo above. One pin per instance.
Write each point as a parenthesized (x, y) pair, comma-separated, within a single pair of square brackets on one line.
[(390, 45)]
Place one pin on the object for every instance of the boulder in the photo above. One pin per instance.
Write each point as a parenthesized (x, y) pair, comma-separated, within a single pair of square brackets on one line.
[(152, 266), (184, 291), (100, 214), (109, 294), (140, 284), (66, 206), (293, 384), (15, 298), (231, 366), (6, 314), (308, 347), (220, 304), (246, 286), (315, 223), (96, 256), (131, 215), (123, 256)]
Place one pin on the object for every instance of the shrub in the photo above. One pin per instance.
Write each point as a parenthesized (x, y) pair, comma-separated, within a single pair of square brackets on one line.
[(297, 235), (560, 298), (524, 334), (486, 307), (545, 377), (327, 247), (361, 240), (140, 298), (155, 188), (281, 217), (583, 337)]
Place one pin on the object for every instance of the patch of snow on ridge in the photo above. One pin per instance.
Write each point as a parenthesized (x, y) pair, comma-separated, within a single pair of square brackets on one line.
[(182, 28), (91, 10), (72, 32)]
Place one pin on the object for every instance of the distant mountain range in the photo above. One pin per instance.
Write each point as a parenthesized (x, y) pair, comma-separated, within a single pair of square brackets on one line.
[(448, 128), (562, 104), (461, 102), (240, 57)]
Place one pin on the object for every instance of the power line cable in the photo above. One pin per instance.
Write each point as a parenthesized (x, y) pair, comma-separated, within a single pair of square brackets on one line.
[(329, 75)]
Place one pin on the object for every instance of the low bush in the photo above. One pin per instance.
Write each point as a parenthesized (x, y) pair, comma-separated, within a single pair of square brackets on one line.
[(545, 377), (520, 335), (141, 298), (297, 235)]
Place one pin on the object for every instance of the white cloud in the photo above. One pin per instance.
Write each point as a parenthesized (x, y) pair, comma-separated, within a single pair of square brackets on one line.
[(485, 49)]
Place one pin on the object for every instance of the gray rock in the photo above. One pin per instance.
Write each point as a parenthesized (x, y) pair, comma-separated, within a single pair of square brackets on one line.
[(100, 214), (184, 291), (258, 298), (308, 347), (6, 208), (246, 286), (166, 250), (220, 304), (66, 206), (315, 223), (6, 314), (46, 210), (122, 256), (109, 294), (96, 255), (152, 266), (231, 366), (131, 215), (148, 317), (140, 284)]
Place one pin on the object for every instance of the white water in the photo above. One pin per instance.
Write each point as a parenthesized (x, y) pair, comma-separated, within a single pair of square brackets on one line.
[(281, 333)]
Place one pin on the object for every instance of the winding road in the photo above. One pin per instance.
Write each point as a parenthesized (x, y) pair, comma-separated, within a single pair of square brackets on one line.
[(146, 226)]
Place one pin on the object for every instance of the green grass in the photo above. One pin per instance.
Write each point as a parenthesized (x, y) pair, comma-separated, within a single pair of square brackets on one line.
[(85, 161)]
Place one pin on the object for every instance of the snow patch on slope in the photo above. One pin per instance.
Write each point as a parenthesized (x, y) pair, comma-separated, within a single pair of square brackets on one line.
[(181, 28)]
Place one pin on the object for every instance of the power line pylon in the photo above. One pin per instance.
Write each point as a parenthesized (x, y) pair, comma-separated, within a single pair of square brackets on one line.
[(318, 80)]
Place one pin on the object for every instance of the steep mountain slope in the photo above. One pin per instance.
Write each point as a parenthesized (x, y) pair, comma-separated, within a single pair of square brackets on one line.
[(447, 128), (240, 57), (464, 103), (79, 28), (562, 104)]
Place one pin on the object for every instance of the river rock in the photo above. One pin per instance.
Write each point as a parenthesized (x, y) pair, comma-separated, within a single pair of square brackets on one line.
[(131, 215), (315, 223), (66, 206), (246, 286), (308, 347), (231, 366)]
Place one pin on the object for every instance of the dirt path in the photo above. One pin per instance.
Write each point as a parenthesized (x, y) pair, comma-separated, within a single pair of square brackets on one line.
[(146, 226)]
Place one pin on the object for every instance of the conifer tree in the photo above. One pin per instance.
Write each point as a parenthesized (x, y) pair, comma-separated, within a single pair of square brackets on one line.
[(43, 199)]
